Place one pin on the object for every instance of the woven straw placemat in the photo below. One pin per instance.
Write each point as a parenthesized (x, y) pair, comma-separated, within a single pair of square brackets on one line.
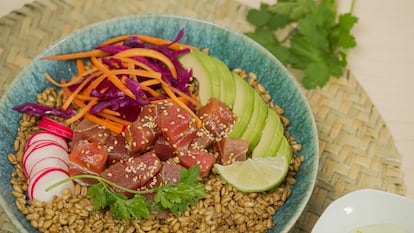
[(357, 150)]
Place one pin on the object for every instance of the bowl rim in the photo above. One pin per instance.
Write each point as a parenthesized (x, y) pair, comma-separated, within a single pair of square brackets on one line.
[(305, 200)]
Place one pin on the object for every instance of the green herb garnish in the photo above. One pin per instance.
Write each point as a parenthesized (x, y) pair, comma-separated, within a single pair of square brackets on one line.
[(173, 197), (315, 39)]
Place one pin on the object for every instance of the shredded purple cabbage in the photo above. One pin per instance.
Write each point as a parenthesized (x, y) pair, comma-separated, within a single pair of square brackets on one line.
[(41, 110), (113, 98)]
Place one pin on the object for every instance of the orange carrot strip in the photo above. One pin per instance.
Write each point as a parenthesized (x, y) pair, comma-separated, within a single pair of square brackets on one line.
[(174, 98), (70, 56), (142, 73), (82, 111), (80, 66), (135, 62), (150, 40), (113, 126), (66, 91), (72, 96), (185, 96), (151, 91), (143, 52), (149, 82), (93, 85), (114, 40), (159, 41), (114, 118), (131, 67), (51, 80), (111, 112), (115, 80)]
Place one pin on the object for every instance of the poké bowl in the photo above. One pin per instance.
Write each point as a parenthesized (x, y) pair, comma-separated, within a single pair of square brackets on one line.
[(233, 48)]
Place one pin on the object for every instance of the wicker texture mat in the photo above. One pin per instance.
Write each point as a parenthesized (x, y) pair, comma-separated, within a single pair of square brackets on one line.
[(357, 150)]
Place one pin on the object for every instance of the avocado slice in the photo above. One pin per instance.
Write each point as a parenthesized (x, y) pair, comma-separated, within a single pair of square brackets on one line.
[(191, 61), (257, 122), (210, 66), (271, 136), (243, 106), (227, 86), (285, 149)]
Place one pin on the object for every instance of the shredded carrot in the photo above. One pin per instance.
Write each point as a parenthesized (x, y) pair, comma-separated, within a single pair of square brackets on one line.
[(73, 95), (143, 52), (70, 56), (80, 66), (115, 80), (111, 112), (113, 126), (141, 73), (149, 82), (185, 96), (114, 118), (151, 91), (150, 40), (136, 63), (82, 111), (95, 83)]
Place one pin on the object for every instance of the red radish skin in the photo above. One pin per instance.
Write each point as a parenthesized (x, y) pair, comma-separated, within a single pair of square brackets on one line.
[(48, 162), (46, 136), (40, 151), (55, 127), (43, 179)]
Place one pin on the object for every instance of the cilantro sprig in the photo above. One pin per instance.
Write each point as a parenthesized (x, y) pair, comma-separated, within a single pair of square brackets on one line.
[(173, 197), (316, 39)]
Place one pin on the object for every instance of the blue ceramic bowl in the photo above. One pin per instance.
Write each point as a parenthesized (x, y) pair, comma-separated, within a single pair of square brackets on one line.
[(233, 48)]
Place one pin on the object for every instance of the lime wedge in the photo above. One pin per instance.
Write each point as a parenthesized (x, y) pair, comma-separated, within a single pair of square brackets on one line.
[(255, 174)]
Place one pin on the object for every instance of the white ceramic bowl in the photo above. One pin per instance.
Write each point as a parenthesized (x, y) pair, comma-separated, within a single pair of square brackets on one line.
[(367, 208)]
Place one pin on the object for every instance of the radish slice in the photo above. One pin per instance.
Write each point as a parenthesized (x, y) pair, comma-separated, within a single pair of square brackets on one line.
[(45, 178), (46, 136), (55, 127), (48, 162), (40, 151)]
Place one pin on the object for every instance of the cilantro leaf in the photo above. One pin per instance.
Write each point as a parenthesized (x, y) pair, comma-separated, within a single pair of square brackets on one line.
[(177, 198), (173, 197), (98, 196), (318, 40)]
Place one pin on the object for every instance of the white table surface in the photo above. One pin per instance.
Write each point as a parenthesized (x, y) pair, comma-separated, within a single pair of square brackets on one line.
[(382, 62)]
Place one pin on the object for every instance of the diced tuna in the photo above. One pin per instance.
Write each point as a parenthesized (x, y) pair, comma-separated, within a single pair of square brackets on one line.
[(143, 132), (217, 118), (90, 156), (200, 158), (117, 149), (134, 172), (177, 126), (163, 149), (91, 132), (230, 150)]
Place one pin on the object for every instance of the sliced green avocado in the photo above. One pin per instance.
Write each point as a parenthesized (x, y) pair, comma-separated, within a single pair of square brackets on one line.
[(227, 86), (257, 122), (243, 106), (285, 149), (271, 136), (190, 61), (210, 66)]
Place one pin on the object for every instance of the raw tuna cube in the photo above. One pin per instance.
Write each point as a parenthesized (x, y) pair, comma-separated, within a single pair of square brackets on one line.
[(217, 118), (135, 171), (230, 150)]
